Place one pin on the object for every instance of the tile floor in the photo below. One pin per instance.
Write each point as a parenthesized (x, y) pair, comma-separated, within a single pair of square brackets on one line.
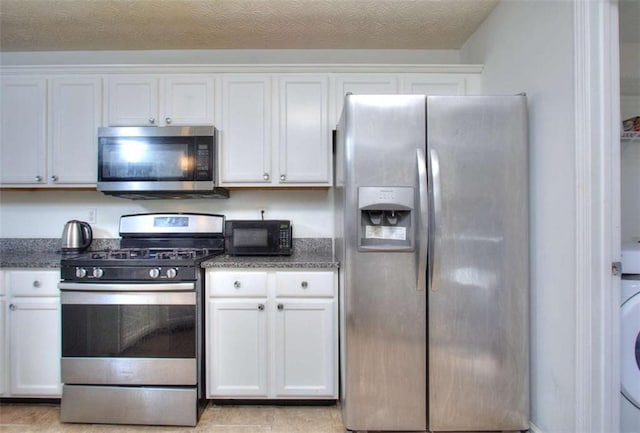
[(45, 417)]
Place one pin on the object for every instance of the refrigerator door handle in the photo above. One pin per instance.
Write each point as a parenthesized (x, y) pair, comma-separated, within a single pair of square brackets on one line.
[(436, 195), (423, 227)]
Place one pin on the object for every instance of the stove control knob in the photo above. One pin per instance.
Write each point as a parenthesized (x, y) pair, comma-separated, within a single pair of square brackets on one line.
[(81, 272), (154, 272), (172, 272), (98, 273)]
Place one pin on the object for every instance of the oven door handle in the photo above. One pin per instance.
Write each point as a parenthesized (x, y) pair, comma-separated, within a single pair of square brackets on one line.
[(127, 287), (119, 298)]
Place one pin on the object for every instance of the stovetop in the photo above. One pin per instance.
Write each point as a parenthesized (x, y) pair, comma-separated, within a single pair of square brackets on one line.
[(136, 265), (160, 246)]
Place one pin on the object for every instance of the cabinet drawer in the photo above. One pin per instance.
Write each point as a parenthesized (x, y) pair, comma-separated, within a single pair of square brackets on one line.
[(34, 283), (237, 283), (304, 284)]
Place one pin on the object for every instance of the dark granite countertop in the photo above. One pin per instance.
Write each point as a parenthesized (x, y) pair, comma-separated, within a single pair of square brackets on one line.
[(296, 260), (29, 259), (45, 253)]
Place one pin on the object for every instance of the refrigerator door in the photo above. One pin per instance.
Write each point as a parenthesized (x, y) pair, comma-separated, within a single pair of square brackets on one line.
[(478, 297), (383, 339)]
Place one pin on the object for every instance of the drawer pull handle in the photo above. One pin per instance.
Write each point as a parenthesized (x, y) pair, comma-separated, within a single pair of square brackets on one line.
[(280, 307), (36, 283), (304, 284), (236, 284), (12, 307), (261, 307)]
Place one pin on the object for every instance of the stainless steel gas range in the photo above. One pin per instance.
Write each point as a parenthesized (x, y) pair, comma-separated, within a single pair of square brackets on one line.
[(132, 323)]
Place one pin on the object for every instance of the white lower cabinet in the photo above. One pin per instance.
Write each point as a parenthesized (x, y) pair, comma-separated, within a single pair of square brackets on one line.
[(272, 334), (3, 339), (237, 336), (304, 348), (34, 341)]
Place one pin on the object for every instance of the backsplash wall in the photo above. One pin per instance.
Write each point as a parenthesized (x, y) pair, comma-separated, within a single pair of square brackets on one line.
[(42, 214)]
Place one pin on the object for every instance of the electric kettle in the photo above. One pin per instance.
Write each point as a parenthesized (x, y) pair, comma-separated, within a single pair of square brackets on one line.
[(76, 236)]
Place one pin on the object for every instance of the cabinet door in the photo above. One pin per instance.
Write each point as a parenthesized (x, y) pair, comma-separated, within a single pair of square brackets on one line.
[(132, 100), (35, 346), (4, 349), (188, 100), (360, 84), (23, 104), (237, 348), (305, 348), (432, 84), (304, 151), (245, 144), (75, 115)]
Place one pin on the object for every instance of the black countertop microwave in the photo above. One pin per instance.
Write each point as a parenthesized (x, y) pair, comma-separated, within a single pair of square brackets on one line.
[(258, 237), (158, 162)]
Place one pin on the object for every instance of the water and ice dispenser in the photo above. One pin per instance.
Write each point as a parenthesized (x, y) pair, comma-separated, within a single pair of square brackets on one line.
[(386, 217)]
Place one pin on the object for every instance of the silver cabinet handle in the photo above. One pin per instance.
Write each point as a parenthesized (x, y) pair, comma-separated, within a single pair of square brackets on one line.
[(36, 283), (304, 284), (38, 178), (12, 307), (280, 307), (236, 284), (54, 178), (265, 176), (283, 177), (167, 120), (261, 307), (152, 120)]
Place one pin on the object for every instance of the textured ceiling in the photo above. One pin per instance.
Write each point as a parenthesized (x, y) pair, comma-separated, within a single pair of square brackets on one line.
[(60, 25)]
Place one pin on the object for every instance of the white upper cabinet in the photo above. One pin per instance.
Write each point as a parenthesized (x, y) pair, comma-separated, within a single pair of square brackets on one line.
[(149, 100), (259, 110), (75, 114), (305, 154), (23, 120), (188, 100), (49, 130), (361, 84), (245, 138), (132, 100), (432, 84)]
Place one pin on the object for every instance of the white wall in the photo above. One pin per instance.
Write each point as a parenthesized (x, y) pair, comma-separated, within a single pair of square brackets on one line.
[(42, 214), (527, 46)]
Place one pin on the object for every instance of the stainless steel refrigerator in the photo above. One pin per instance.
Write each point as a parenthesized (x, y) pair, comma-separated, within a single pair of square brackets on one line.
[(431, 204)]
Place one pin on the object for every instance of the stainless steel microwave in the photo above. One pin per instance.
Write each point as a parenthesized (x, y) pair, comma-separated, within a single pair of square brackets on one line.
[(158, 162), (258, 237)]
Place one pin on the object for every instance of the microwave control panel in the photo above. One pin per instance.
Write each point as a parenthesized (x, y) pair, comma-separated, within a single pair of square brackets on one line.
[(285, 237)]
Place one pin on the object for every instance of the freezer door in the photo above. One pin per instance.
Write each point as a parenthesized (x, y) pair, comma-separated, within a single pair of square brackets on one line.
[(383, 313), (478, 358)]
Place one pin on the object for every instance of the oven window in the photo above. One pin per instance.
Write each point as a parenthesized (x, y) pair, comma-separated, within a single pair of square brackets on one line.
[(135, 331)]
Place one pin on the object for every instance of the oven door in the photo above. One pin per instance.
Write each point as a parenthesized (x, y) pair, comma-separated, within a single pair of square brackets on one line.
[(129, 338)]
